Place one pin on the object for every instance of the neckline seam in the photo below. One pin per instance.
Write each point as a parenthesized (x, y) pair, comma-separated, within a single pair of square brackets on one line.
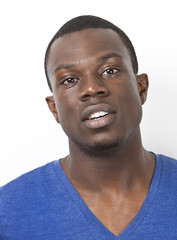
[(89, 215)]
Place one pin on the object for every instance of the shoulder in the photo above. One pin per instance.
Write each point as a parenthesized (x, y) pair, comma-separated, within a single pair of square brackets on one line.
[(27, 183), (168, 163), (168, 170), (30, 206)]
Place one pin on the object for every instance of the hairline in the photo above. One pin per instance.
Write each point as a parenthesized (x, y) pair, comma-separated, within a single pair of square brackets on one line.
[(47, 55)]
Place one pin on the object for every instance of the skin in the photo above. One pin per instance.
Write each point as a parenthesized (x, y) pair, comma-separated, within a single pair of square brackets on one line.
[(90, 71)]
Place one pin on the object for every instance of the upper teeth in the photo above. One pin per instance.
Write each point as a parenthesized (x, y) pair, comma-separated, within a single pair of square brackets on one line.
[(98, 114)]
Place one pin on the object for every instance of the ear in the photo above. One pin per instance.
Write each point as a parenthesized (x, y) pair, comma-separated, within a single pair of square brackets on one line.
[(142, 83), (52, 107)]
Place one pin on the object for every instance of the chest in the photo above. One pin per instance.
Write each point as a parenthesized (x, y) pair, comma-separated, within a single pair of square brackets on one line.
[(115, 214)]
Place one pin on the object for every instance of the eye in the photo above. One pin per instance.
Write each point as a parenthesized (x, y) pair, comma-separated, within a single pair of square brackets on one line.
[(110, 71), (70, 80)]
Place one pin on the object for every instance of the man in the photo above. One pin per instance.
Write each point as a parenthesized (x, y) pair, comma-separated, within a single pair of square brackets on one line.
[(109, 186)]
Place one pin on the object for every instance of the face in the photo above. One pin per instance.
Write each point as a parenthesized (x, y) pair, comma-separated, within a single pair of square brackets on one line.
[(96, 96)]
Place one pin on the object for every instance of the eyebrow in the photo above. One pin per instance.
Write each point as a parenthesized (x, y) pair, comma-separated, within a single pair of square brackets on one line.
[(109, 55), (65, 66), (100, 59)]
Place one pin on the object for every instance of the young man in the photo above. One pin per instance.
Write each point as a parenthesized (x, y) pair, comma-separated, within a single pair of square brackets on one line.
[(109, 186)]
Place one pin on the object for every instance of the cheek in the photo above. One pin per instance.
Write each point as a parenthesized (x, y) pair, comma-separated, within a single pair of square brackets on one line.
[(128, 100), (126, 90), (67, 111), (133, 107), (131, 91)]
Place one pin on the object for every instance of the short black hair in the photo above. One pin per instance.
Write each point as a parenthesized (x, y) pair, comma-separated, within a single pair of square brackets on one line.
[(88, 21)]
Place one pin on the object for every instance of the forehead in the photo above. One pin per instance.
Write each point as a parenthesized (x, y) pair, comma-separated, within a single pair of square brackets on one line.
[(85, 45)]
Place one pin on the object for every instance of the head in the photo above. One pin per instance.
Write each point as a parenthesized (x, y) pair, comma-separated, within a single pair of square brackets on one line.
[(85, 22), (91, 68)]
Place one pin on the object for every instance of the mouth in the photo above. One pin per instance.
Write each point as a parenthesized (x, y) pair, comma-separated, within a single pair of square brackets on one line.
[(98, 116)]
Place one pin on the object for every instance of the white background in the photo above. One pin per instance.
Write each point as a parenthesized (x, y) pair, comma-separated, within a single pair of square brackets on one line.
[(29, 135)]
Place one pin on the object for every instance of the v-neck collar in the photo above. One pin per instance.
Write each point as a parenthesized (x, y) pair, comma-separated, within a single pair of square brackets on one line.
[(94, 220)]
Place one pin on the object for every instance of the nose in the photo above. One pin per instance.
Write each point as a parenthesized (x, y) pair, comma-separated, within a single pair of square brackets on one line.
[(92, 87)]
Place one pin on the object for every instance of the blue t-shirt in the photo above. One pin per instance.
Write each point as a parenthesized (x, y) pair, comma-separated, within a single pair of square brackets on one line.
[(44, 205)]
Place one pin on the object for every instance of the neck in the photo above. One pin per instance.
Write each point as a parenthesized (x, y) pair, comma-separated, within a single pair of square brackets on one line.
[(119, 168)]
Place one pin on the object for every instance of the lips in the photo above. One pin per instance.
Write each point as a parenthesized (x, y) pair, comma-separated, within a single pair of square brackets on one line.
[(97, 116)]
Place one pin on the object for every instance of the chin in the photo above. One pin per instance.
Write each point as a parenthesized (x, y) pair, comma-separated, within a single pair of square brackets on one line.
[(103, 146)]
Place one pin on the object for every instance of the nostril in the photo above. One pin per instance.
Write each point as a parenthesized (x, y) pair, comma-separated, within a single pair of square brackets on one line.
[(93, 92), (100, 93), (86, 96)]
